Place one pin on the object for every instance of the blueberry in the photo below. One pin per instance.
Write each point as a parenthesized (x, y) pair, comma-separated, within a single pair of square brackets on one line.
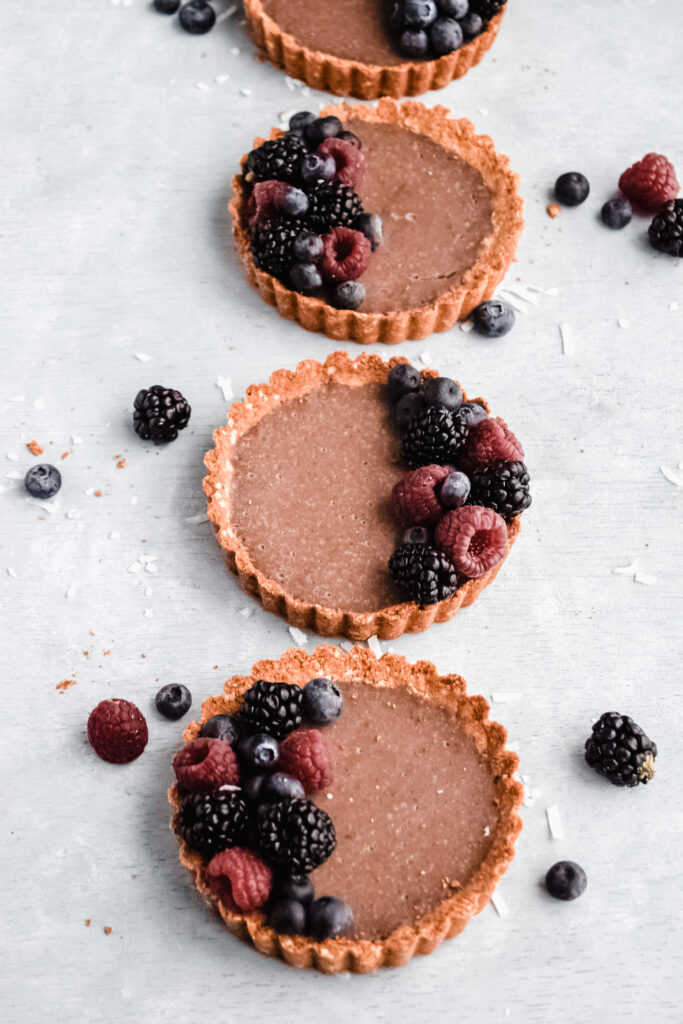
[(419, 13), (173, 700), (371, 226), (43, 481), (443, 393), (445, 35), (300, 121), (305, 277), (259, 752), (566, 880), (348, 295), (322, 701), (413, 43), (197, 17), (252, 787), (403, 378), (471, 413), (493, 318), (347, 136), (415, 535), (318, 167), (472, 25), (280, 786), (296, 887), (166, 6), (455, 490), (572, 188), (221, 727), (288, 917), (294, 202), (454, 8), (616, 213), (408, 407), (328, 917), (323, 128), (308, 247)]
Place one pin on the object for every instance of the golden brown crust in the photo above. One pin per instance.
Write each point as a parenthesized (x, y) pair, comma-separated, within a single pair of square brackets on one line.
[(478, 283), (354, 78), (285, 385), (362, 956)]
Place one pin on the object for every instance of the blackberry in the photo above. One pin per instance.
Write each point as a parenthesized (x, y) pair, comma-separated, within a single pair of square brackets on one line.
[(433, 436), (332, 205), (272, 246), (666, 230), (619, 749), (425, 573), (273, 708), (212, 822), (502, 486), (277, 159), (159, 413), (295, 835), (486, 9)]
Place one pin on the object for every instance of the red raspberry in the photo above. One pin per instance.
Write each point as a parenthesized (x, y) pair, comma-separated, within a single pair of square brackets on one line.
[(414, 499), (306, 755), (349, 159), (204, 765), (491, 440), (265, 201), (474, 538), (346, 254), (239, 879), (650, 182), (117, 731)]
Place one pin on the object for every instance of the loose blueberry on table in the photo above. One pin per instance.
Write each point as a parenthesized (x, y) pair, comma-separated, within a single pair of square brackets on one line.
[(43, 481), (425, 29)]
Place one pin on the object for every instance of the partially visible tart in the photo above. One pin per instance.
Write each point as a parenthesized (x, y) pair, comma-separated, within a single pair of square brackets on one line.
[(422, 797)]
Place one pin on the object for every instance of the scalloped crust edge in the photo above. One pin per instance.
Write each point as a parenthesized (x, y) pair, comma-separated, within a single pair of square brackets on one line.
[(363, 956), (478, 283), (354, 78), (284, 385)]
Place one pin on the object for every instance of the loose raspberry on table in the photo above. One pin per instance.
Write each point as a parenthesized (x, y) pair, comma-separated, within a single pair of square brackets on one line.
[(415, 498), (474, 538), (491, 440), (346, 254), (348, 159), (306, 755), (204, 765), (650, 182), (239, 879), (117, 731)]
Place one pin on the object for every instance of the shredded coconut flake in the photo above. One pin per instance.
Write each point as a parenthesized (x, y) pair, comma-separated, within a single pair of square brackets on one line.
[(17, 398), (135, 567), (466, 326), (623, 322), (673, 306), (143, 357), (505, 698), (47, 506), (567, 339), (298, 636), (14, 474), (227, 14), (646, 578), (375, 646), (555, 822), (245, 91), (225, 386), (235, 51), (202, 86), (499, 904), (221, 79), (73, 513), (246, 613), (114, 535), (71, 590), (12, 457), (75, 439), (671, 476), (425, 358), (148, 613), (624, 570), (200, 518), (346, 645), (12, 573)]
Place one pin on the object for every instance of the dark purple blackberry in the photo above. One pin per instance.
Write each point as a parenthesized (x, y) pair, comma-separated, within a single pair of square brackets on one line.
[(159, 413), (502, 486), (666, 230), (273, 708), (619, 749), (277, 159), (295, 835), (425, 573), (433, 436), (332, 205), (213, 822), (272, 246), (486, 9)]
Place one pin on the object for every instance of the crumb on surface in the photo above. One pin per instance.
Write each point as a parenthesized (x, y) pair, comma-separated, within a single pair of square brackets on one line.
[(552, 209), (107, 930), (64, 685), (35, 448)]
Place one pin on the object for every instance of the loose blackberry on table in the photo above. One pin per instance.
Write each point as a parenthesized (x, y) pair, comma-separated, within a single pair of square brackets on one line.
[(160, 413), (621, 751)]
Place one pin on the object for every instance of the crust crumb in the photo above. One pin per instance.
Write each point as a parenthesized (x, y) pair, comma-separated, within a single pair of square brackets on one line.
[(65, 684), (552, 209), (35, 448)]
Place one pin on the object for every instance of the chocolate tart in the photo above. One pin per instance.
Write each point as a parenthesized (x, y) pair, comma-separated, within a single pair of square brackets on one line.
[(322, 563), (414, 869), (446, 247), (353, 56)]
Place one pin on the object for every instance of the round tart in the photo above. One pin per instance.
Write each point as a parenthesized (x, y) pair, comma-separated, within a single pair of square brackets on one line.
[(423, 804), (348, 48), (299, 492), (451, 214)]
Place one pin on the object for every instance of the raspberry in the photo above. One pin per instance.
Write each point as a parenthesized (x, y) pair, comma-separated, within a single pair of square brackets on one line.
[(489, 441), (650, 182), (117, 731), (306, 755), (346, 254), (414, 499), (265, 202), (474, 538), (239, 879), (349, 160), (204, 765)]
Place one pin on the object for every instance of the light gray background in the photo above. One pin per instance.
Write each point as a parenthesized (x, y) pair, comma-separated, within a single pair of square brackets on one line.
[(114, 175)]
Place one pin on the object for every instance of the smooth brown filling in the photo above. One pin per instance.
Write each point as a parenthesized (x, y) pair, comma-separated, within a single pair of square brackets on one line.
[(310, 496), (413, 804), (352, 29)]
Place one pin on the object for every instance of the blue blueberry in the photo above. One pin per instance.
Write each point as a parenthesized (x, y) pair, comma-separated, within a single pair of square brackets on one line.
[(166, 6), (403, 379), (328, 917), (471, 413), (322, 701), (348, 295), (419, 13), (347, 136), (221, 727), (371, 226), (445, 35), (280, 786), (572, 188), (323, 128), (407, 408), (43, 481), (288, 917), (455, 490), (300, 121), (252, 788), (566, 880), (454, 8), (472, 25), (317, 167), (296, 887), (305, 277), (308, 247), (173, 700), (293, 203), (259, 752), (197, 17), (493, 318), (413, 43), (616, 213), (443, 393), (415, 535)]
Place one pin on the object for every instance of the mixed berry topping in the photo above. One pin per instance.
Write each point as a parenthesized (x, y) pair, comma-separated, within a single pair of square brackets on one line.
[(621, 751), (473, 538), (221, 727), (240, 879), (502, 486), (204, 765), (566, 880), (159, 413), (117, 731), (43, 481), (273, 708), (434, 28), (211, 822), (306, 756), (423, 572)]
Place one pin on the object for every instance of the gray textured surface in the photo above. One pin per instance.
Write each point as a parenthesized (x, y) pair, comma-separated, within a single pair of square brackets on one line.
[(114, 174)]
